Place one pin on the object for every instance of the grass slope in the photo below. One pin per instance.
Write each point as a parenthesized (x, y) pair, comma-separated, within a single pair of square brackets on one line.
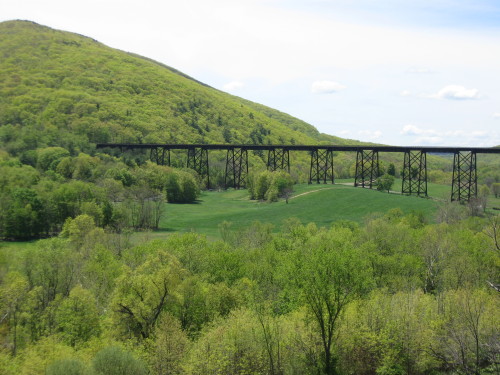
[(321, 204)]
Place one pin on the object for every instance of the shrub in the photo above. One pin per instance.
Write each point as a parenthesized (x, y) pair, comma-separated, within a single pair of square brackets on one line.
[(115, 361), (67, 366)]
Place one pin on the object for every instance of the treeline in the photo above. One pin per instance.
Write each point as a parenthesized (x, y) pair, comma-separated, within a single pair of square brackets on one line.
[(37, 198), (394, 296)]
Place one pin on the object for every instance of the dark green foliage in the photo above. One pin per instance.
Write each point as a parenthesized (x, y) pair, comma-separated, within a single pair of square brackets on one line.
[(269, 185), (23, 215), (391, 169), (385, 182), (181, 187)]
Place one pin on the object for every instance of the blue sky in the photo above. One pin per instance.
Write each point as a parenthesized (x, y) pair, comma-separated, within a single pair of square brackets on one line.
[(401, 72)]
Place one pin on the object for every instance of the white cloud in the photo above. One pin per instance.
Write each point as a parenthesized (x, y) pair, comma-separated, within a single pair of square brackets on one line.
[(405, 93), (496, 115), (233, 86), (458, 137), (456, 92), (326, 87), (370, 134), (415, 130)]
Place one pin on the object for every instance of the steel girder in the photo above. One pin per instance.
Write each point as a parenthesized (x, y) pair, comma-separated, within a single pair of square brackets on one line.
[(236, 168), (367, 168), (278, 158), (321, 166), (158, 154), (464, 183), (415, 173), (197, 159)]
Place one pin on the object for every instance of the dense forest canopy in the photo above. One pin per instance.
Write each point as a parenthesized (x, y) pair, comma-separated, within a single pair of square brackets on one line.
[(394, 296)]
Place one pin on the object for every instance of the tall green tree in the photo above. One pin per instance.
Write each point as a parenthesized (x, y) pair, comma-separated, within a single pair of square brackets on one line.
[(330, 272), (13, 293), (77, 317), (142, 294)]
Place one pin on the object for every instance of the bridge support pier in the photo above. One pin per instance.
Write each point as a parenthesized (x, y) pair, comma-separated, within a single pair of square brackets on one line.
[(158, 154), (278, 158), (415, 173), (367, 168), (236, 168), (321, 166), (197, 159), (464, 183)]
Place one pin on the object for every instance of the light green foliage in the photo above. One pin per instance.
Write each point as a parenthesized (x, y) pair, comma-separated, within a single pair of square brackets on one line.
[(143, 294), (100, 272), (468, 333), (13, 294), (77, 229), (77, 317), (72, 90), (392, 296), (389, 334), (330, 272), (230, 347), (169, 346), (36, 358), (51, 266)]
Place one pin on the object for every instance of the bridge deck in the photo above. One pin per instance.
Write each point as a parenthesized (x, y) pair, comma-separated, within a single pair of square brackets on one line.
[(186, 146)]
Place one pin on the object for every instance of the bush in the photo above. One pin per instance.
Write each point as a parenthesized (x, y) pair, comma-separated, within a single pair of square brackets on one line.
[(385, 183), (270, 185), (67, 366), (181, 187), (115, 361)]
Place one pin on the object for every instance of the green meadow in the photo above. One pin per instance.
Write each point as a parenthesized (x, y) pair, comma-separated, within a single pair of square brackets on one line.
[(320, 204)]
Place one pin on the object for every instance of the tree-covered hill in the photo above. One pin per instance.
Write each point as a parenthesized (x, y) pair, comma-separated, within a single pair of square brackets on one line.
[(62, 89)]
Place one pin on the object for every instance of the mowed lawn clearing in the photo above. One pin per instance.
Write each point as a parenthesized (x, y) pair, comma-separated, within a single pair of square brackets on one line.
[(321, 204)]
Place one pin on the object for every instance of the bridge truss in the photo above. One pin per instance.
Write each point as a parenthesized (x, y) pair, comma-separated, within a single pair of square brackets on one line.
[(464, 183), (415, 173)]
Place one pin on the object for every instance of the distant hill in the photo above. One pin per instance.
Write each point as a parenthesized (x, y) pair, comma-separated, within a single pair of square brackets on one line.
[(63, 89)]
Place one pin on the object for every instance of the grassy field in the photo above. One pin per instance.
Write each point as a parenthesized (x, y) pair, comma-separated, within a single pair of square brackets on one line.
[(321, 204)]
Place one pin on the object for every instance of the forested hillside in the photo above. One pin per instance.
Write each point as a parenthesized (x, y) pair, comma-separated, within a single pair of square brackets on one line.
[(63, 89)]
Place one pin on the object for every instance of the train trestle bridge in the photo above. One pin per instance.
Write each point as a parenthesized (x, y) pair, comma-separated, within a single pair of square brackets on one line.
[(414, 173)]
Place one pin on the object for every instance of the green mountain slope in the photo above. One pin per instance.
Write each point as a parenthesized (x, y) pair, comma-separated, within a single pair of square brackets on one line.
[(62, 89)]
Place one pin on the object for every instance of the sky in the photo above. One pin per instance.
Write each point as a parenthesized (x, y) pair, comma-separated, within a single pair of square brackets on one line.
[(397, 72)]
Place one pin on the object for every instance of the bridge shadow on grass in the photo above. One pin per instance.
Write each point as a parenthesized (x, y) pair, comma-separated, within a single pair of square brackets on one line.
[(165, 230), (198, 201)]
